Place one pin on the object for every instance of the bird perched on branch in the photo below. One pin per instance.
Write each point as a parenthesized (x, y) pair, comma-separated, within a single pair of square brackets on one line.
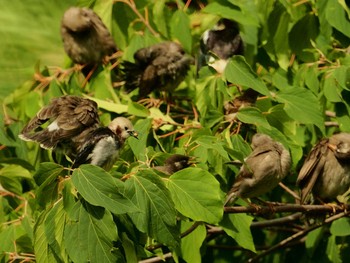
[(220, 43), (74, 128), (175, 163), (161, 66), (326, 170), (262, 170), (86, 39)]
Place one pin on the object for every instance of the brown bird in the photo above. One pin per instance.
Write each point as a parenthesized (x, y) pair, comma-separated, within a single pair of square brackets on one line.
[(73, 127), (326, 170), (174, 164), (262, 170), (85, 37), (162, 66), (220, 43)]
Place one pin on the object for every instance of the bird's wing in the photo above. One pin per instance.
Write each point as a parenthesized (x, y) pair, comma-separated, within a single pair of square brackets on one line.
[(311, 169), (69, 116)]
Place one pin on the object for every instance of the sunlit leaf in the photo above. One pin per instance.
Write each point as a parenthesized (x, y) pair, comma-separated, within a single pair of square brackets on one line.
[(99, 188), (197, 195)]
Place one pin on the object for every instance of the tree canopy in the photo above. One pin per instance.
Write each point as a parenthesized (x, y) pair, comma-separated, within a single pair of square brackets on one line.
[(296, 56)]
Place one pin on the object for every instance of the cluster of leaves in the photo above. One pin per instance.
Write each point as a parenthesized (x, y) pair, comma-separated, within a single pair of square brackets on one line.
[(296, 57)]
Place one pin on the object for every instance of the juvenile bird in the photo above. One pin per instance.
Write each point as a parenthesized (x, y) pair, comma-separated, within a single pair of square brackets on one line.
[(85, 37), (73, 125), (326, 170), (219, 44), (174, 164), (262, 170), (102, 145), (162, 66)]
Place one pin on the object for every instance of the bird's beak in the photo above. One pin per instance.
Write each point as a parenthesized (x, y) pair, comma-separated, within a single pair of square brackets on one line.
[(134, 134), (332, 147), (192, 160)]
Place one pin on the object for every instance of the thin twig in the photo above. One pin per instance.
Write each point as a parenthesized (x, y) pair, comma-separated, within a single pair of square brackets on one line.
[(144, 20), (157, 259), (258, 210), (300, 234)]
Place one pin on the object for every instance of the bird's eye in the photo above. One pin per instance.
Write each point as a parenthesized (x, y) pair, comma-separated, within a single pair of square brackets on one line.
[(126, 128)]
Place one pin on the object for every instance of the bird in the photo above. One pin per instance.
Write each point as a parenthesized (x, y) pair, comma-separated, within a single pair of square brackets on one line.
[(326, 170), (219, 44), (102, 145), (85, 37), (247, 99), (162, 66), (262, 170), (174, 163), (74, 128), (70, 119)]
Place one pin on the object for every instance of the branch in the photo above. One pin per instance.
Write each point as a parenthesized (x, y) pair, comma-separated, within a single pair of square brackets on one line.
[(271, 209), (300, 234), (157, 259), (144, 20)]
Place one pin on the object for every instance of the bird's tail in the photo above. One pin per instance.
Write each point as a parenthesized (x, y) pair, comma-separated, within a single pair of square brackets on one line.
[(131, 74)]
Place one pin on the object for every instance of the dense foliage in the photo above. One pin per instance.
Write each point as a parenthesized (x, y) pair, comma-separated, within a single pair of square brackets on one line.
[(296, 56)]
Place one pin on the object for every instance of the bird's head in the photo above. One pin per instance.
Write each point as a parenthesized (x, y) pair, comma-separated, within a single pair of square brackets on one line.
[(123, 128), (260, 139), (77, 19), (179, 161), (340, 145)]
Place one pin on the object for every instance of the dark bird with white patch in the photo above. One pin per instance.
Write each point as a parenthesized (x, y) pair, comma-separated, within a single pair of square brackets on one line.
[(175, 163), (219, 44), (262, 170), (326, 170), (161, 66), (86, 38), (73, 126)]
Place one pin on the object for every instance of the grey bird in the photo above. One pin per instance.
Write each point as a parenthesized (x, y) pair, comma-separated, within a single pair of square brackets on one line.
[(175, 163), (102, 145), (73, 126), (162, 66), (262, 170), (86, 38), (220, 43), (326, 170)]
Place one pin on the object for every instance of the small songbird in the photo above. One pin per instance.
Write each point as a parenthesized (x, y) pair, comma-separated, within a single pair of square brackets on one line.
[(262, 170), (102, 145), (74, 128), (220, 43), (174, 164), (162, 66), (86, 38), (326, 170), (71, 118)]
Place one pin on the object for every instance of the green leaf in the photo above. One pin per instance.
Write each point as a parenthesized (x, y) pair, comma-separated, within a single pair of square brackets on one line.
[(110, 106), (181, 30), (99, 188), (43, 252), (137, 109), (138, 146), (191, 244), (333, 251), (279, 41), (331, 89), (313, 239), (211, 142), (55, 222), (237, 226), (90, 234), (196, 194), (252, 115), (341, 227), (302, 105), (158, 215), (46, 178), (239, 72), (336, 16)]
